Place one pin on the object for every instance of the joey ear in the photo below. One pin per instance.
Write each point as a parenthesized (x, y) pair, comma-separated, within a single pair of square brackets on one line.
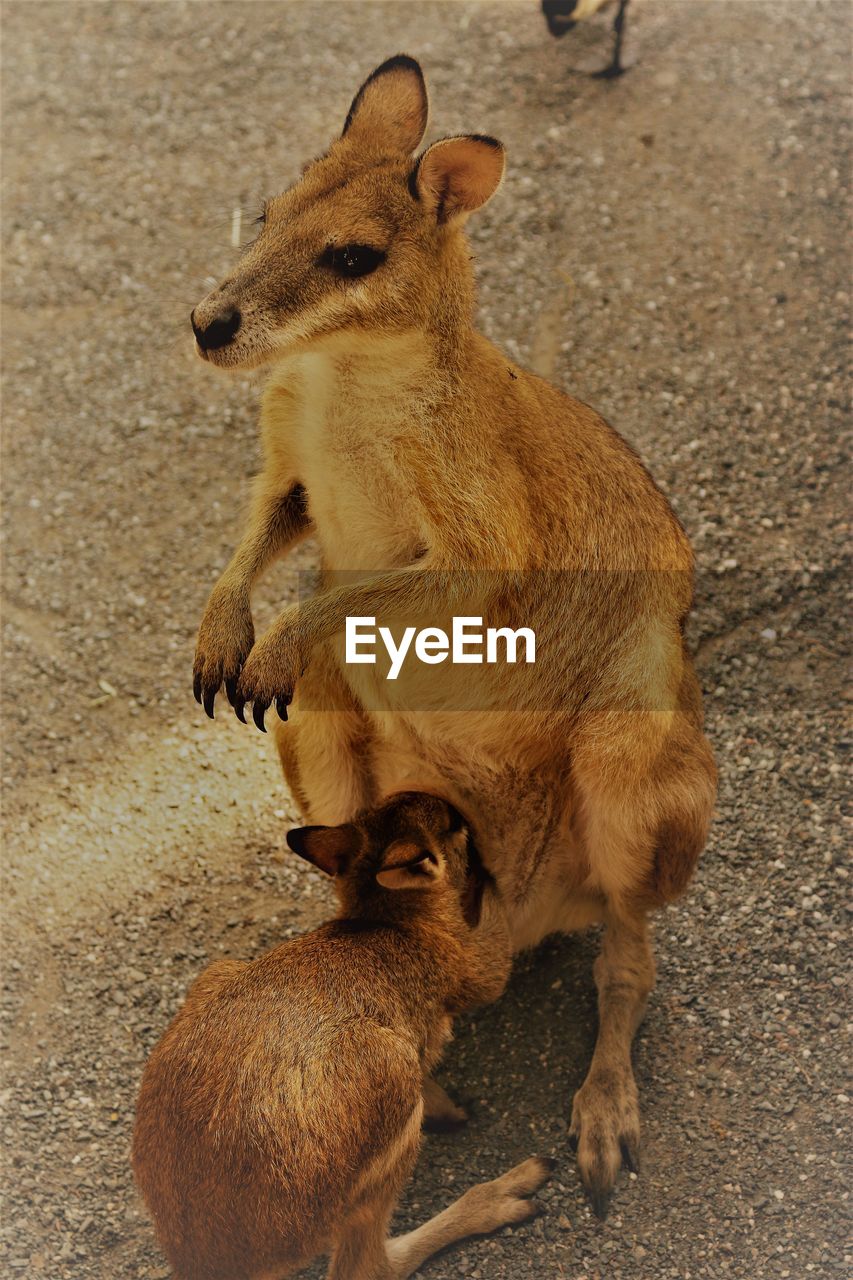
[(328, 848), (391, 107), (458, 175), (408, 866)]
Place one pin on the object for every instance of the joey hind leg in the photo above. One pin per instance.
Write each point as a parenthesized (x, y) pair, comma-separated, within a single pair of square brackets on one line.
[(605, 1127), (363, 1250), (481, 1209)]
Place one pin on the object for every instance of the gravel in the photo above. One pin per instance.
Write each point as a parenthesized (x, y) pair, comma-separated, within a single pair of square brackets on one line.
[(672, 248)]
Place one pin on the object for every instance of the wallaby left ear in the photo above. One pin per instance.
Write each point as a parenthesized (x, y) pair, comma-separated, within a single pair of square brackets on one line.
[(458, 175), (409, 866), (391, 107), (328, 848)]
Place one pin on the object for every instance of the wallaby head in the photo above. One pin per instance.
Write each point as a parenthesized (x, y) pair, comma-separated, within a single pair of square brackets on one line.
[(414, 842), (369, 239)]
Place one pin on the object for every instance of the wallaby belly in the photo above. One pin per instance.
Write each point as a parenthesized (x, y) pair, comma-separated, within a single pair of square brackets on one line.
[(523, 820)]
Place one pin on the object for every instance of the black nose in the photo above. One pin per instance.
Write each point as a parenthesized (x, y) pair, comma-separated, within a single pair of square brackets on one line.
[(219, 332)]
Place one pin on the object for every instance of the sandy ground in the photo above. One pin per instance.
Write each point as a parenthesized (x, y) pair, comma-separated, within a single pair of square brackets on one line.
[(669, 247)]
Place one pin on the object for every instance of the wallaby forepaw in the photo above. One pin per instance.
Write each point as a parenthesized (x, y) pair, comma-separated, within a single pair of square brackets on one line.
[(269, 676), (225, 640), (263, 681), (605, 1132)]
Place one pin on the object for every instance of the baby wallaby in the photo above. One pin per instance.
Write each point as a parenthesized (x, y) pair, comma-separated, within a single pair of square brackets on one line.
[(280, 1114)]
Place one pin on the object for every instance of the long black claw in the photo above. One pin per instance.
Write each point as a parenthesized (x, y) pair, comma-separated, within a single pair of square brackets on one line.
[(281, 704), (238, 705), (600, 1203), (630, 1154), (197, 687), (258, 711), (231, 690), (209, 699)]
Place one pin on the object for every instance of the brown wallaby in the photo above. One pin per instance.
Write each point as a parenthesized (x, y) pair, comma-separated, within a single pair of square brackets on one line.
[(280, 1115), (446, 480)]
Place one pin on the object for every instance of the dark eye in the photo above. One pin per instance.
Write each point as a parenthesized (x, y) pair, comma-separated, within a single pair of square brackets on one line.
[(353, 260)]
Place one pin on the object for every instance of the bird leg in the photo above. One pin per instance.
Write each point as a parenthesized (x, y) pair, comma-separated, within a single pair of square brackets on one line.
[(615, 67)]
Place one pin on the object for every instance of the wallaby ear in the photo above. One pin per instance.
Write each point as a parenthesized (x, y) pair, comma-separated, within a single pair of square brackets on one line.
[(329, 848), (458, 175), (409, 866), (391, 107)]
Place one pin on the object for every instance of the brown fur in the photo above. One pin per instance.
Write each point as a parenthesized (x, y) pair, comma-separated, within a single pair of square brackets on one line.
[(441, 479), (279, 1115)]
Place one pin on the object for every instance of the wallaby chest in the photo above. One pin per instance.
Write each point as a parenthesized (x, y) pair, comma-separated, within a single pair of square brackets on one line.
[(341, 429)]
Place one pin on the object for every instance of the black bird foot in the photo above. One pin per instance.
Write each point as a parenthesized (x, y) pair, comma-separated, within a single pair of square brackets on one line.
[(611, 72)]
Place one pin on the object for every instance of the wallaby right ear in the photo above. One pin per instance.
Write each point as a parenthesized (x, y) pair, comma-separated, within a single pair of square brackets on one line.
[(455, 176), (328, 848), (391, 107)]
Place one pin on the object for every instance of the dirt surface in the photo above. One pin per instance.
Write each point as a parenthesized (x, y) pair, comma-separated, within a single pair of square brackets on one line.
[(670, 247)]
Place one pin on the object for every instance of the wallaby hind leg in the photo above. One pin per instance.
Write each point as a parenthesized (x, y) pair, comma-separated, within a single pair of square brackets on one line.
[(486, 1207), (646, 785), (605, 1126)]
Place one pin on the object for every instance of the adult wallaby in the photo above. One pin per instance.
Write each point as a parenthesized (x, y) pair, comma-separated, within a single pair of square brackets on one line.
[(279, 1116), (445, 480)]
